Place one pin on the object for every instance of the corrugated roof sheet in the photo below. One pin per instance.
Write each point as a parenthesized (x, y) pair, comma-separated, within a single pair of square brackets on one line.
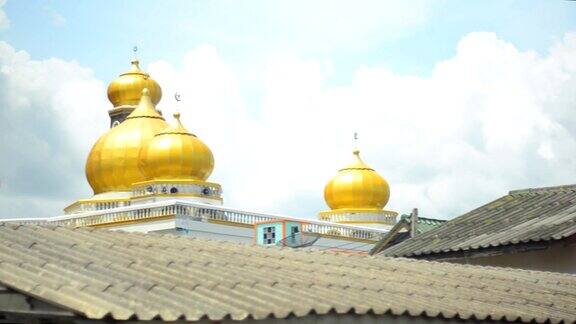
[(401, 231), (426, 224), (114, 275), (522, 216)]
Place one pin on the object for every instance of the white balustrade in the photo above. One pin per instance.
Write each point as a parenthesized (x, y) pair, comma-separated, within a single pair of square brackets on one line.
[(382, 216), (192, 211)]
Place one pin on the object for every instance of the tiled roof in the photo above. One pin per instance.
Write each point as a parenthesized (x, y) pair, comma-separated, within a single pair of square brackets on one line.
[(426, 224), (521, 217), (401, 231), (108, 275)]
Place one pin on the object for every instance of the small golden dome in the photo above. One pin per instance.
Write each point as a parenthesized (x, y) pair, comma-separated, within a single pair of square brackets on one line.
[(175, 153), (113, 162), (357, 186), (127, 88)]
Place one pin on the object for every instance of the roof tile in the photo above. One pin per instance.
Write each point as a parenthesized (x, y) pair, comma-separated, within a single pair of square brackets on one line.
[(522, 216), (133, 276)]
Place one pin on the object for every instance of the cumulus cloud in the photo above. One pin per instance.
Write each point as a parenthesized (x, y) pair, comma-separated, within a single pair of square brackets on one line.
[(51, 113), (489, 119), (4, 21)]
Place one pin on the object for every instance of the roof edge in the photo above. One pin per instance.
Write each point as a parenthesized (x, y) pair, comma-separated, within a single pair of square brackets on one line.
[(543, 189), (482, 251)]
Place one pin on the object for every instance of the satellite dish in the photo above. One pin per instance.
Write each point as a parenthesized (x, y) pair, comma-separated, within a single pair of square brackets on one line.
[(299, 240)]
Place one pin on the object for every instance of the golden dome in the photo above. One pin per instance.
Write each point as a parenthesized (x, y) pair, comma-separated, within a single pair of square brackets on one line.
[(113, 162), (127, 88), (357, 186), (175, 153)]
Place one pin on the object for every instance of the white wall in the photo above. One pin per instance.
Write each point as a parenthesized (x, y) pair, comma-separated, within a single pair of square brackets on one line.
[(145, 227)]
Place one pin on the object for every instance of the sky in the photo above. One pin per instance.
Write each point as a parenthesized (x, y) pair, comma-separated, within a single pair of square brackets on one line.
[(455, 102)]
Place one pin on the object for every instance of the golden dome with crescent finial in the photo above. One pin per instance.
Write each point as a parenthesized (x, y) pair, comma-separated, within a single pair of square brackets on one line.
[(357, 186), (113, 163), (175, 153), (127, 88)]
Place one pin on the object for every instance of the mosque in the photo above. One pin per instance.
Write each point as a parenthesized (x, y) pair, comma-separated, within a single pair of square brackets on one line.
[(151, 175)]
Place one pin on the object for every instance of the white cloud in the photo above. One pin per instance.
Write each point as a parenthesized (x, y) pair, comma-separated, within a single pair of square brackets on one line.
[(4, 21), (490, 119), (52, 111)]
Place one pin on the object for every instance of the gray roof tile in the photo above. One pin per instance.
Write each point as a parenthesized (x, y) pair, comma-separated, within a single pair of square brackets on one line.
[(522, 216), (104, 274)]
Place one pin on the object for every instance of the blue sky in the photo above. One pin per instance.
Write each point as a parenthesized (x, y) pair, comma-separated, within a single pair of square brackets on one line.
[(101, 34), (276, 88)]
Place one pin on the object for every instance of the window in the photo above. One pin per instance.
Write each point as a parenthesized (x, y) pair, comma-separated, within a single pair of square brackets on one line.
[(294, 230), (269, 235)]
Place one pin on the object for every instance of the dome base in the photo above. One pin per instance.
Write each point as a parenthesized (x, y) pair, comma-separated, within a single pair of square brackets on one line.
[(171, 188), (376, 218), (151, 191), (106, 200)]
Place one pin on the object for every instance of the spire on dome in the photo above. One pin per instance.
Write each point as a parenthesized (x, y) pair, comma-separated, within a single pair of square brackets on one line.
[(357, 163), (177, 128), (145, 107), (179, 125)]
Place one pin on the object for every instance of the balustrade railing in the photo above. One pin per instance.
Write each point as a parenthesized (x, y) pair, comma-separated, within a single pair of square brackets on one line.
[(382, 216), (191, 211)]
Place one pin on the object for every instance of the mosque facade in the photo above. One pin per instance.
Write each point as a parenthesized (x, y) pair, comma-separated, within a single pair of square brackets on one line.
[(152, 175)]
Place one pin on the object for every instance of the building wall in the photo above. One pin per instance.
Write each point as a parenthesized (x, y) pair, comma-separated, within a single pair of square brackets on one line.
[(219, 231), (289, 226), (261, 228), (557, 258), (145, 227), (215, 231)]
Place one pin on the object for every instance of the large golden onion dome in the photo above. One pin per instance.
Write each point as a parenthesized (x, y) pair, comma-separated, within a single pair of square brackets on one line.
[(113, 162), (127, 88), (357, 186), (175, 153)]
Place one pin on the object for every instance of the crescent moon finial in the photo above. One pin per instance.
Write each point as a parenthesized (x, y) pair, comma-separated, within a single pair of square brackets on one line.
[(135, 49), (356, 151), (177, 97)]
